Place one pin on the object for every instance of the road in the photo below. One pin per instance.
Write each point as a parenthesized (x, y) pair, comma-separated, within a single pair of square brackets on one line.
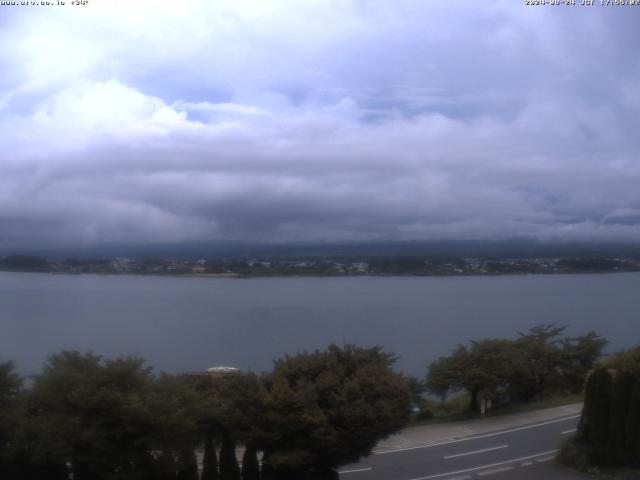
[(522, 452)]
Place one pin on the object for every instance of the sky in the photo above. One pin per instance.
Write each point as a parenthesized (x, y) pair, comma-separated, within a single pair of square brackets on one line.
[(158, 122)]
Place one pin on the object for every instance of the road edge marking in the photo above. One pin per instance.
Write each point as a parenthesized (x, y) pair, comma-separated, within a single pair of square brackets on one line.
[(466, 439), (355, 470), (438, 475), (476, 451)]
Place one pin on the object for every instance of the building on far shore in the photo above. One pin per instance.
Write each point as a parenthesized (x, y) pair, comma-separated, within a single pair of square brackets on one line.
[(221, 372)]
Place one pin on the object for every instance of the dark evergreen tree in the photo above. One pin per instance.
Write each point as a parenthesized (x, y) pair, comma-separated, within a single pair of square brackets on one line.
[(250, 465), (163, 467), (620, 402), (229, 468), (187, 465), (632, 428), (597, 424), (209, 460), (610, 423), (10, 386)]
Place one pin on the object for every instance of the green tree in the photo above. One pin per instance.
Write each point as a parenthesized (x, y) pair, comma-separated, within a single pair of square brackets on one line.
[(106, 418), (556, 364), (610, 422), (230, 410), (229, 468), (187, 465), (579, 356), (250, 465), (328, 408), (10, 387), (544, 357), (487, 368), (209, 459), (539, 362)]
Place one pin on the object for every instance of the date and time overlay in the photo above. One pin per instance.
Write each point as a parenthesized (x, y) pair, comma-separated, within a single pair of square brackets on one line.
[(567, 3), (583, 3)]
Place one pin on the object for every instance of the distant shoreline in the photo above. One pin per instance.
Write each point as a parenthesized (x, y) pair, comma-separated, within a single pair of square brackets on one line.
[(231, 275), (354, 266)]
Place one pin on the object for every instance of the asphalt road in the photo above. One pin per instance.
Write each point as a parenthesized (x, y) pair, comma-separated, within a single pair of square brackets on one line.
[(523, 452)]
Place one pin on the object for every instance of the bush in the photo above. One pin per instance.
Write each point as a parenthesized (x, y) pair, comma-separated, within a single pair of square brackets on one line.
[(573, 454), (424, 415)]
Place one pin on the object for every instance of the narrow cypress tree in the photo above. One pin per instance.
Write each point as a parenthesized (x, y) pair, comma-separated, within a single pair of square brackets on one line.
[(620, 403), (267, 472), (632, 430), (164, 467), (210, 460), (610, 423), (598, 421), (187, 465), (229, 469), (250, 466)]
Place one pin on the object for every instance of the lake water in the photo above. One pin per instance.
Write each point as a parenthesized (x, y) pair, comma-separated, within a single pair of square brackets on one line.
[(182, 324)]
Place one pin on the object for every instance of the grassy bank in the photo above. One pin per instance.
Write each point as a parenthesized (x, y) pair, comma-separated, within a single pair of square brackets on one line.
[(456, 409)]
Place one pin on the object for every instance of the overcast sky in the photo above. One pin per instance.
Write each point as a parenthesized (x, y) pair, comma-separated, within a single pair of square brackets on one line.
[(140, 122)]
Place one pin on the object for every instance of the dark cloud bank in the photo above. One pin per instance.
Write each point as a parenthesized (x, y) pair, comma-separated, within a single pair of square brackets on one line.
[(397, 124)]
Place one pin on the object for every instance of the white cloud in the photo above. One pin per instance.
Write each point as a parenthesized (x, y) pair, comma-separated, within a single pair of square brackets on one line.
[(315, 121)]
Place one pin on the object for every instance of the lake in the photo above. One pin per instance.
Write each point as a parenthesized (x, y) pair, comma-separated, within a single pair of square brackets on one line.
[(181, 324)]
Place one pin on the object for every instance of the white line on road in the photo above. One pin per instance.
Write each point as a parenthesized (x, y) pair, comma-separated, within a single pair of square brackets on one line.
[(495, 470), (485, 466), (428, 445), (545, 459), (476, 451), (569, 431), (356, 470)]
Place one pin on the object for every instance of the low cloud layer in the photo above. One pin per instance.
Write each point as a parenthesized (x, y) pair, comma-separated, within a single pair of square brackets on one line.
[(317, 121)]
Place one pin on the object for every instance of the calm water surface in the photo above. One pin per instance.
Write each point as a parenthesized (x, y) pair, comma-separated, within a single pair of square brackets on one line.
[(194, 323)]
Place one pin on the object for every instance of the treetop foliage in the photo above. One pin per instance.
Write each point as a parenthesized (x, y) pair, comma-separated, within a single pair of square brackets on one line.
[(331, 407), (115, 419), (627, 361), (537, 363)]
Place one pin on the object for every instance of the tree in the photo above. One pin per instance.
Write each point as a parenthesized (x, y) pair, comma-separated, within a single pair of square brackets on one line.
[(229, 468), (610, 422), (579, 355), (187, 465), (328, 408), (487, 367), (541, 347), (107, 417), (250, 465), (230, 410), (209, 459), (555, 364), (537, 363), (10, 387)]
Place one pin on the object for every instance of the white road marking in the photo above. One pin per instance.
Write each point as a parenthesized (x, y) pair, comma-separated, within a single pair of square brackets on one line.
[(526, 464), (495, 470), (544, 459), (569, 431), (466, 439), (356, 470), (485, 466), (476, 451)]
